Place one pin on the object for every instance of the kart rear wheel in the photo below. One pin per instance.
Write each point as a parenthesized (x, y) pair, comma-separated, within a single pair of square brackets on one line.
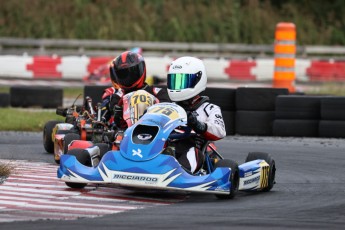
[(47, 136), (268, 158), (69, 137), (234, 177), (84, 158)]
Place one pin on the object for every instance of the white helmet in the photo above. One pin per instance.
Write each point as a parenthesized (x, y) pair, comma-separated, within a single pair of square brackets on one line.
[(186, 78)]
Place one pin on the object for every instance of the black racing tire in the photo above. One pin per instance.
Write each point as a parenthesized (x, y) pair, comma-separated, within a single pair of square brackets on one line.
[(75, 185), (295, 128), (223, 97), (333, 108), (234, 177), (84, 158), (335, 129), (4, 100), (272, 172), (47, 135), (303, 107), (95, 92), (36, 96), (254, 122), (258, 99), (69, 137)]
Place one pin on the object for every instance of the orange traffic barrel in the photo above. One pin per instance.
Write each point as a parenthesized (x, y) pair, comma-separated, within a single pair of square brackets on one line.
[(284, 56)]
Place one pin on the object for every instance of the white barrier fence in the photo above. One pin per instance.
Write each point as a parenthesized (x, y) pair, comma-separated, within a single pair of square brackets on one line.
[(77, 67)]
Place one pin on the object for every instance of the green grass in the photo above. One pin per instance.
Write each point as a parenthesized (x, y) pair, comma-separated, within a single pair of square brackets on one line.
[(4, 89), (15, 119), (336, 89), (73, 92), (68, 92)]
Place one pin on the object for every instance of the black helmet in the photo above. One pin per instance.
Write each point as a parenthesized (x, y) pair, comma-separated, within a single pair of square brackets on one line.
[(128, 71)]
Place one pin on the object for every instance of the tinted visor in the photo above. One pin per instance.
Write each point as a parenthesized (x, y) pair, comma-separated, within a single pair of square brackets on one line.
[(128, 76), (178, 81)]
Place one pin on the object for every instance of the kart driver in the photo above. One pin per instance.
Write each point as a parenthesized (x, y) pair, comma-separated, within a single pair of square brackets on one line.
[(186, 80), (128, 74)]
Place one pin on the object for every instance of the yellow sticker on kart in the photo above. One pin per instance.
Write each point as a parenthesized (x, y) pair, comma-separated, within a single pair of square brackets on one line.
[(141, 96), (167, 111)]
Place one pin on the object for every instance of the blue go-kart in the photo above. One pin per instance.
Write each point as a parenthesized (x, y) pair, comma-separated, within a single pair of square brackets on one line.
[(144, 162)]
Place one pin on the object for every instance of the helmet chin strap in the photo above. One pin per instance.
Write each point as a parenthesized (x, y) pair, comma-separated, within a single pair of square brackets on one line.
[(193, 103)]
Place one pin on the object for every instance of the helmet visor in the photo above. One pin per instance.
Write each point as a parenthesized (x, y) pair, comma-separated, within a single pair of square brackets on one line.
[(178, 81), (128, 76)]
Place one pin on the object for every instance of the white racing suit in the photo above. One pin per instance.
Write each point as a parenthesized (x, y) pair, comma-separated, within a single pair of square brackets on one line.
[(186, 153)]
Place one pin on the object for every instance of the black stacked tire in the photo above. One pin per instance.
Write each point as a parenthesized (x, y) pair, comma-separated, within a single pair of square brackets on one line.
[(298, 107), (226, 99), (333, 108), (258, 99), (36, 96), (255, 110), (254, 122), (95, 92), (223, 97), (295, 128), (334, 129), (297, 115), (4, 100), (332, 122)]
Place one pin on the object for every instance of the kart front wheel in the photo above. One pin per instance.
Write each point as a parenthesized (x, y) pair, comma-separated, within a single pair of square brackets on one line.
[(68, 138), (272, 172), (47, 136), (234, 177), (75, 185), (84, 158)]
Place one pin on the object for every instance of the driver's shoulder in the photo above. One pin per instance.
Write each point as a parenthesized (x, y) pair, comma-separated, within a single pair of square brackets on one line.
[(207, 107)]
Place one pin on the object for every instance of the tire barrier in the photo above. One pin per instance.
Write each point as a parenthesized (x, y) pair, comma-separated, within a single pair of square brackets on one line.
[(246, 111), (4, 100), (226, 100), (270, 111), (255, 110), (298, 107), (332, 129), (258, 99), (295, 128), (36, 96), (332, 123), (95, 92), (254, 122), (297, 115), (333, 108)]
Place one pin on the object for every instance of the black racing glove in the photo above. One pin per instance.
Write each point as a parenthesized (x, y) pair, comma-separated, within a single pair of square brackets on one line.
[(118, 115), (198, 126)]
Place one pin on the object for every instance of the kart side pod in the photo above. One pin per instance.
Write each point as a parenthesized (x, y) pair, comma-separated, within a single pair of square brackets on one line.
[(254, 175)]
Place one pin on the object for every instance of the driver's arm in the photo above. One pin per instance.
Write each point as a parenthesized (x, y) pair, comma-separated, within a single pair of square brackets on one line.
[(215, 123)]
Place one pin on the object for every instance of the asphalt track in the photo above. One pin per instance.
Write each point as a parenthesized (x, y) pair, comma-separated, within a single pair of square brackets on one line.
[(309, 193)]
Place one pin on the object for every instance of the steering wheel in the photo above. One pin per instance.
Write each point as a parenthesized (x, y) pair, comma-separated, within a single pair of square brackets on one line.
[(176, 135)]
